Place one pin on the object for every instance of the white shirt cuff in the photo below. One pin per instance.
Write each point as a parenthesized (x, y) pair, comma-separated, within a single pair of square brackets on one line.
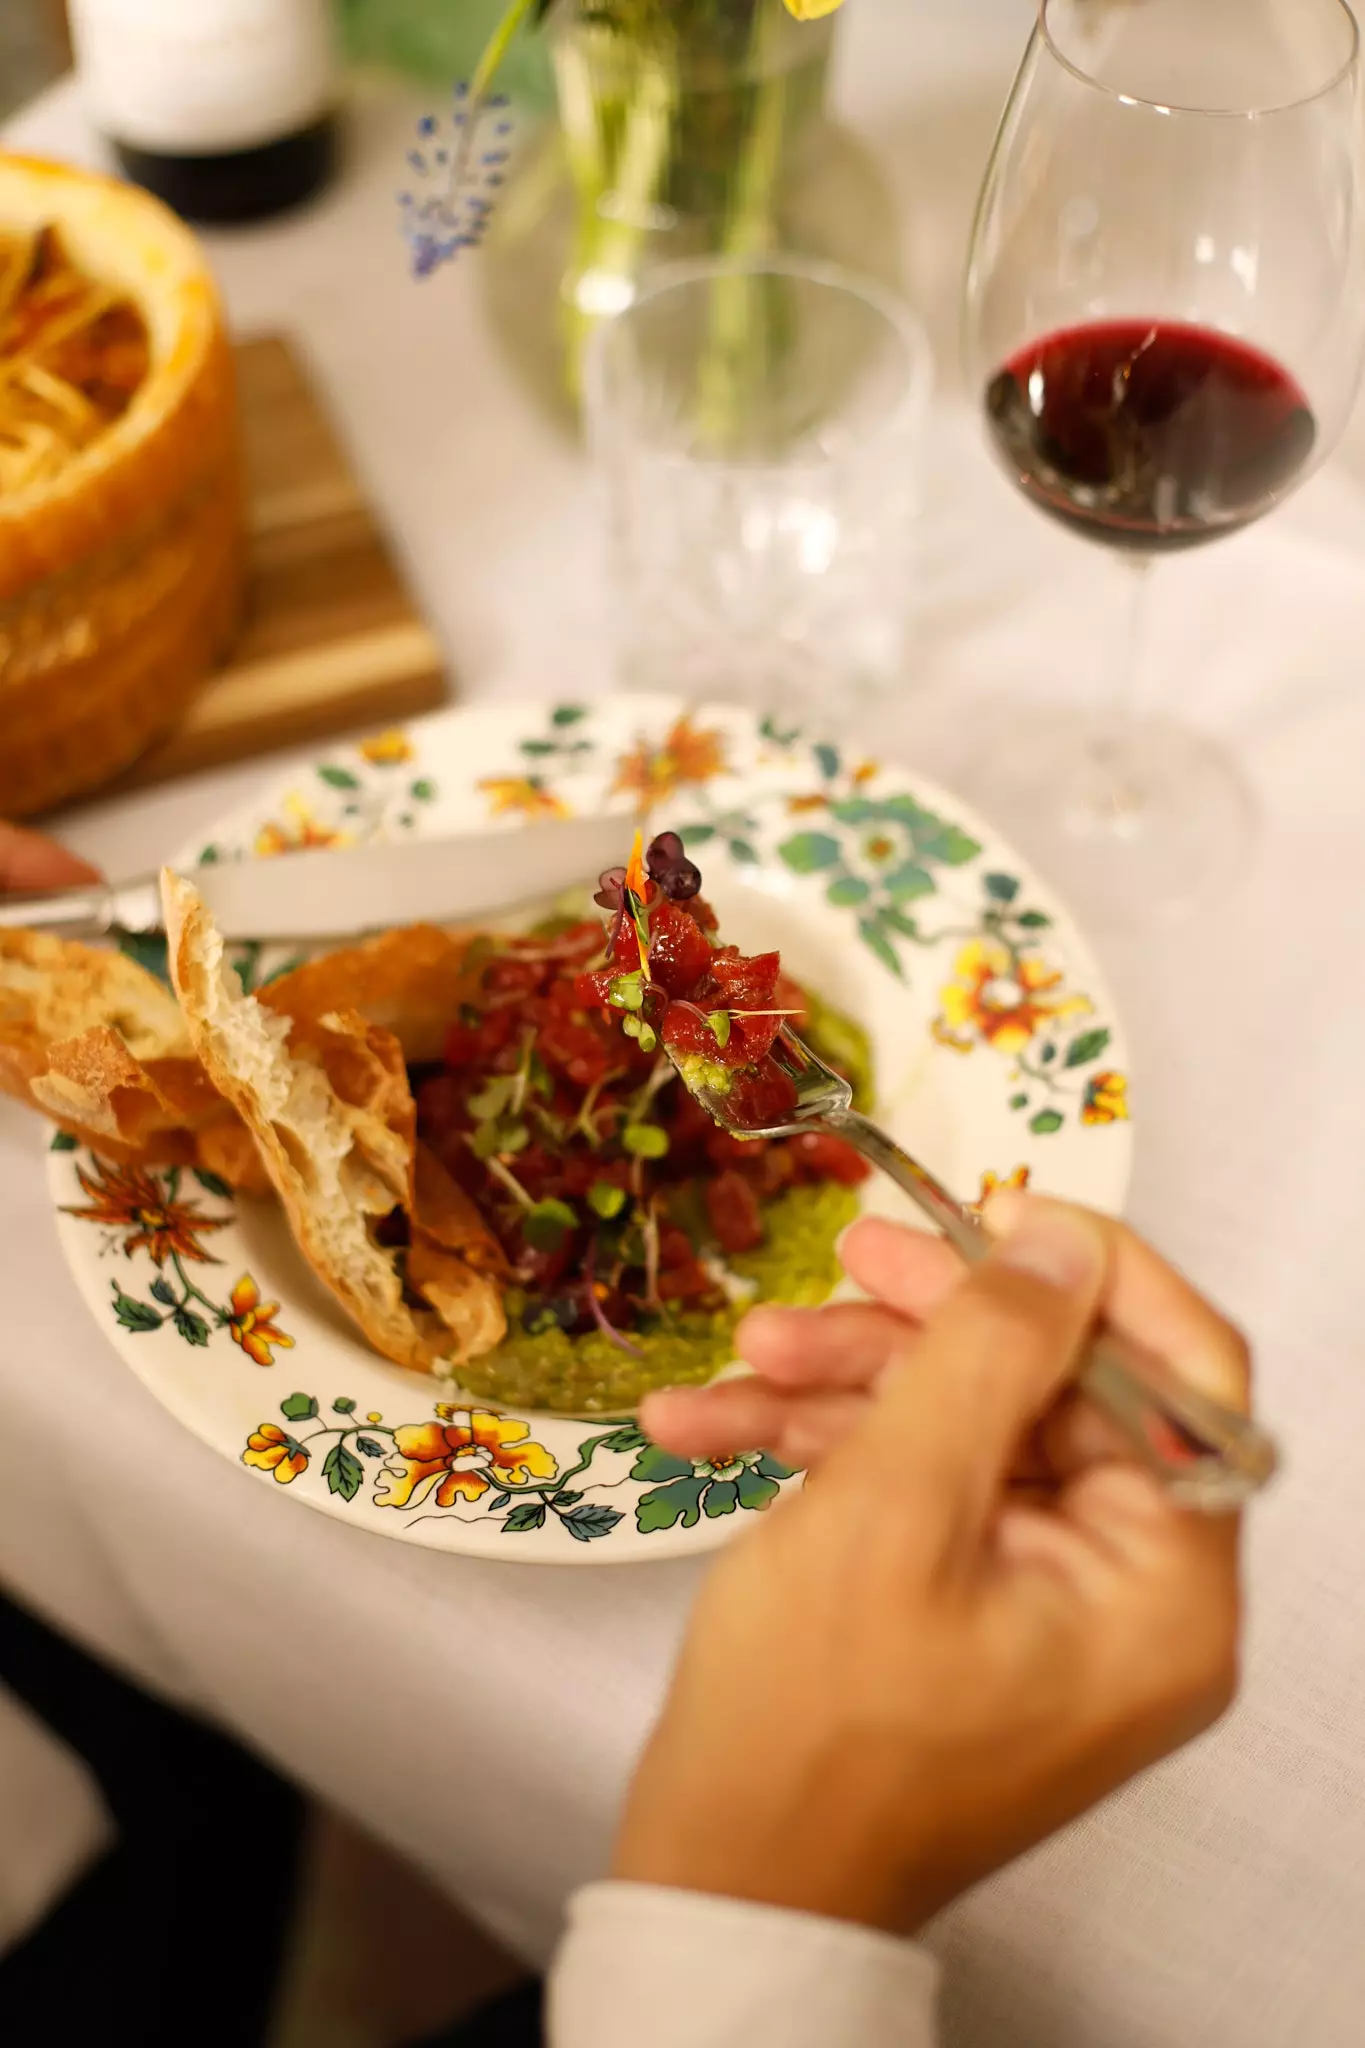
[(683, 1970)]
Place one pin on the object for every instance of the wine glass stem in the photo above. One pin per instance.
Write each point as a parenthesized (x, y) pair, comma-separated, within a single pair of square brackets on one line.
[(1109, 796)]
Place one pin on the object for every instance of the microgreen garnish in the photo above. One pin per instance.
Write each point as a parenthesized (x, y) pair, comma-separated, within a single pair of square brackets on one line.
[(719, 1020), (627, 992), (594, 1291), (606, 1199), (645, 1141), (635, 1027), (546, 1224)]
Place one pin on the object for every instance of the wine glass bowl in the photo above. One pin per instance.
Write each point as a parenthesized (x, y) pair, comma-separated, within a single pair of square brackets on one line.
[(1165, 320)]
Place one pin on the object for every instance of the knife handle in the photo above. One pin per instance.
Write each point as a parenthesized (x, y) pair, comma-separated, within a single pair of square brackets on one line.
[(90, 912)]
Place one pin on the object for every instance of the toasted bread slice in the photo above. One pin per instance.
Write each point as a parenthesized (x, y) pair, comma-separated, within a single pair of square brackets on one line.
[(100, 1046), (327, 1099)]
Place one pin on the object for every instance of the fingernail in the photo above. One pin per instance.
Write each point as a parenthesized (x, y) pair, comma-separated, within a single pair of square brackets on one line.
[(1054, 1245)]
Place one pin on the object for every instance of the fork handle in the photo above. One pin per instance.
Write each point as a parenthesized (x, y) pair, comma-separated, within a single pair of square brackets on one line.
[(1207, 1456)]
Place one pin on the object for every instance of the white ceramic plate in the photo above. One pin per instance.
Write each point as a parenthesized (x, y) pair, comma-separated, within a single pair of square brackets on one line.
[(997, 1050)]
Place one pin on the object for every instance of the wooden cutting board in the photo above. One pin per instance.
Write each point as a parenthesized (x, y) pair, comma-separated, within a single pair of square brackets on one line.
[(331, 638)]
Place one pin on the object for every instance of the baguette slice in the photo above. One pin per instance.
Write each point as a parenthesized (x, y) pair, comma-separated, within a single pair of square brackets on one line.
[(99, 1045), (328, 1103)]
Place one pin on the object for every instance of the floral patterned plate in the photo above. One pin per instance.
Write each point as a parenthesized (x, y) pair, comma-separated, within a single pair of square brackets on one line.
[(998, 1057)]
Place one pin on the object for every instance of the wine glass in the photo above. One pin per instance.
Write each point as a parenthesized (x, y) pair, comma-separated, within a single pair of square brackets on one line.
[(1165, 316)]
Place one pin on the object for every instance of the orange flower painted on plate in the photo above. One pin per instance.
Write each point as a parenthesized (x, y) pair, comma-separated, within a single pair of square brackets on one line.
[(270, 1450), (1106, 1099), (127, 1198), (821, 799), (999, 1000), (653, 773), (299, 831), (991, 1184), (252, 1323), (461, 1460), (388, 749), (526, 795)]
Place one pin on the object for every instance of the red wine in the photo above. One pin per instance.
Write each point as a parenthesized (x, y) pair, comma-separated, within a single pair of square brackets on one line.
[(1148, 434)]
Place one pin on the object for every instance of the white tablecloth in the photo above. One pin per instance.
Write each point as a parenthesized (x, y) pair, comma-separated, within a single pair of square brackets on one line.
[(484, 1718)]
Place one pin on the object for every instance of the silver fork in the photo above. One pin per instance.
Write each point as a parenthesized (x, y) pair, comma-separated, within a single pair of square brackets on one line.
[(1207, 1456)]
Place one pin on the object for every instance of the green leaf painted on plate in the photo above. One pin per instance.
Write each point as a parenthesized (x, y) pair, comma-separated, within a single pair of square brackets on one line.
[(212, 1183), (626, 1439), (1048, 1055), (827, 759), (191, 1326), (756, 1489), (568, 714), (1002, 888), (62, 1141), (1046, 1122), (137, 1316), (586, 1524), (343, 1472), (898, 921), (876, 941), (696, 835), (722, 1498), (525, 1516), (368, 1448), (338, 778), (289, 966), (423, 791), (670, 1507), (780, 736), (299, 1408), (848, 890), (741, 851), (163, 1292), (1087, 1047), (209, 856), (809, 853), (908, 882), (935, 840), (1018, 1102), (343, 1406), (773, 1468), (1034, 920), (149, 951), (656, 1463), (857, 810), (538, 750)]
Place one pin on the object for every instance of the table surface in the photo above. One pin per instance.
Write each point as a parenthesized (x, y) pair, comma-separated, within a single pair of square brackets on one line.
[(484, 1717)]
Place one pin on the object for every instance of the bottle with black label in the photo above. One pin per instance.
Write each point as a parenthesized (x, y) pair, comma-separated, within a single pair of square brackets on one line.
[(226, 109)]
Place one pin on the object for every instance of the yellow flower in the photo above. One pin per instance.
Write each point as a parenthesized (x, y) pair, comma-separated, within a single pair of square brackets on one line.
[(388, 749), (817, 801), (461, 1460), (991, 1184), (654, 773), (299, 832), (251, 1324), (1000, 1000), (127, 1198), (526, 794), (1106, 1100), (812, 10), (270, 1450)]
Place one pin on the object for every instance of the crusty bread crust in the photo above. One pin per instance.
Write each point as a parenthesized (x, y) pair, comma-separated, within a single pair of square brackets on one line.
[(327, 1100)]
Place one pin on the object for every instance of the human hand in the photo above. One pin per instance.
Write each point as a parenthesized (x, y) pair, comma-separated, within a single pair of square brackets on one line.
[(30, 862), (921, 1666)]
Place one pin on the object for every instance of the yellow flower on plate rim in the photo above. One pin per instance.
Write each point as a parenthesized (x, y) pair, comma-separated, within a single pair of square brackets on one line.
[(252, 1322), (448, 1461), (1106, 1099), (524, 795), (388, 749), (999, 1000), (299, 831), (269, 1449), (992, 1183)]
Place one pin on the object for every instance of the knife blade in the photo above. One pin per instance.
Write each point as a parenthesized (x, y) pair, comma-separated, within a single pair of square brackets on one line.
[(340, 892)]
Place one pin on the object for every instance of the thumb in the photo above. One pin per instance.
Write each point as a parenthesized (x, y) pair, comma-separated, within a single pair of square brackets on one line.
[(950, 1412), (28, 861)]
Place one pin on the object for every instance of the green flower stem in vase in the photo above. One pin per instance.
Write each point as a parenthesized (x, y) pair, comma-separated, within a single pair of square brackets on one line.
[(687, 128)]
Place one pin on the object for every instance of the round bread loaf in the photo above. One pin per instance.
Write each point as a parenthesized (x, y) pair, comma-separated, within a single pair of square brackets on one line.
[(122, 527)]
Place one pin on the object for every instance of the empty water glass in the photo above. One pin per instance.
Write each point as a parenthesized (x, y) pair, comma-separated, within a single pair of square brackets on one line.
[(758, 423)]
